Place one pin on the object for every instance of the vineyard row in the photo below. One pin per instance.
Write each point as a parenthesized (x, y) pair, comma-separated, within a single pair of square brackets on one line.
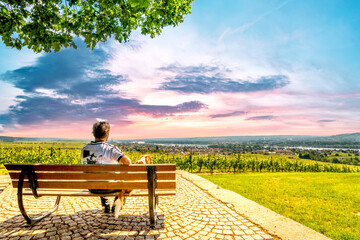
[(210, 163)]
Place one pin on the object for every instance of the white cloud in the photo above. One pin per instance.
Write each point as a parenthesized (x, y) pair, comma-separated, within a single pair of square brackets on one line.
[(7, 96)]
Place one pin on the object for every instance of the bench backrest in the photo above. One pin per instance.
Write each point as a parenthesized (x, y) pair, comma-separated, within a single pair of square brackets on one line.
[(115, 176)]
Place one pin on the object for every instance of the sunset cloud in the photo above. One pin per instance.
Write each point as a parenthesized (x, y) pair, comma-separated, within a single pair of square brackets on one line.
[(194, 80), (266, 117), (73, 85), (230, 114), (326, 120), (239, 68)]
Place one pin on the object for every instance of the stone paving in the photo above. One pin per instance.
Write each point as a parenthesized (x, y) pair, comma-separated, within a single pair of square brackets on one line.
[(191, 214), (4, 181)]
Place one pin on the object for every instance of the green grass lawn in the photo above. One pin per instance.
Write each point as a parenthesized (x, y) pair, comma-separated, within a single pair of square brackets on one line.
[(326, 202)]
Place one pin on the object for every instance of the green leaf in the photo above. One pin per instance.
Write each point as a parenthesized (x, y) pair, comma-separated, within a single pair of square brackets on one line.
[(49, 26)]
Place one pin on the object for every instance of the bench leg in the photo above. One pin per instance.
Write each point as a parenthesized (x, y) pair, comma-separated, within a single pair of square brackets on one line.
[(31, 221), (156, 202), (152, 211), (152, 198)]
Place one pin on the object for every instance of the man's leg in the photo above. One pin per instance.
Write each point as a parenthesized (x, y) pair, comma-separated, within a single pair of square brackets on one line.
[(113, 206), (119, 203), (105, 201)]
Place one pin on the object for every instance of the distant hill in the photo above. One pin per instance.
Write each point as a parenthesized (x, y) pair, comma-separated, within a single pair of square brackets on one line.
[(14, 139), (350, 137), (226, 139)]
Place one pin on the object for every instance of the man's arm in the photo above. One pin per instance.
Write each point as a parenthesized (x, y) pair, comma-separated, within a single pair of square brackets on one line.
[(125, 160)]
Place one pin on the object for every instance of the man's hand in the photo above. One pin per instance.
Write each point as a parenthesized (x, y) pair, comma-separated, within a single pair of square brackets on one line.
[(125, 160)]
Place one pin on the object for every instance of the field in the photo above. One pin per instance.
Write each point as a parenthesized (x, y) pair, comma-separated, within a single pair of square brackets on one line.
[(322, 195), (192, 160), (326, 202)]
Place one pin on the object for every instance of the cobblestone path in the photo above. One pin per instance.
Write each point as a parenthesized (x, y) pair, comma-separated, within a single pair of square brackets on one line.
[(191, 214), (4, 181)]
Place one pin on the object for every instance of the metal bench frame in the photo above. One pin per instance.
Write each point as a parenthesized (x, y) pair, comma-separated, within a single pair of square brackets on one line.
[(28, 170)]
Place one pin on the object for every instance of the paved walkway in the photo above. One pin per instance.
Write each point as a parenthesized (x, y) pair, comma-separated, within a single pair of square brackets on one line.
[(4, 181), (191, 214)]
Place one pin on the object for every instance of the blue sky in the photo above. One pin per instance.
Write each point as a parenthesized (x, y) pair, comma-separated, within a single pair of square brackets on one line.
[(232, 68)]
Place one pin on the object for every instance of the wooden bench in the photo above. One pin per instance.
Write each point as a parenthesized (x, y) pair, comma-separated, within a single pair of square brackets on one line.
[(39, 180)]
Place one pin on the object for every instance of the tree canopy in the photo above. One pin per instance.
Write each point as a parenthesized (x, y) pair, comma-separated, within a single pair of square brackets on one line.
[(49, 25)]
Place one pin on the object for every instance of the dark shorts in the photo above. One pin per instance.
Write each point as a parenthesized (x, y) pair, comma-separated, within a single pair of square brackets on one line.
[(108, 200), (103, 191)]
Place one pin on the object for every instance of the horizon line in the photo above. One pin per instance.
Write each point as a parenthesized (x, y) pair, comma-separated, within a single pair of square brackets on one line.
[(159, 138)]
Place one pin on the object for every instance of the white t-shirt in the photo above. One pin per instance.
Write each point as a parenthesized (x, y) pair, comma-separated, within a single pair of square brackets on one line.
[(100, 153)]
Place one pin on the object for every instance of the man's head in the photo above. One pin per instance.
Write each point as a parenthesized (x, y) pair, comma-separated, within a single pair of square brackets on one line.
[(101, 130)]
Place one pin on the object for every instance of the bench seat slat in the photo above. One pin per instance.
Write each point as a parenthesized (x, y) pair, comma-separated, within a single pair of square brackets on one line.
[(96, 176), (86, 193), (92, 168), (98, 184)]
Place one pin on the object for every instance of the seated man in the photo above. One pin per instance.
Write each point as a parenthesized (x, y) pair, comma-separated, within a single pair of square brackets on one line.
[(100, 152)]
